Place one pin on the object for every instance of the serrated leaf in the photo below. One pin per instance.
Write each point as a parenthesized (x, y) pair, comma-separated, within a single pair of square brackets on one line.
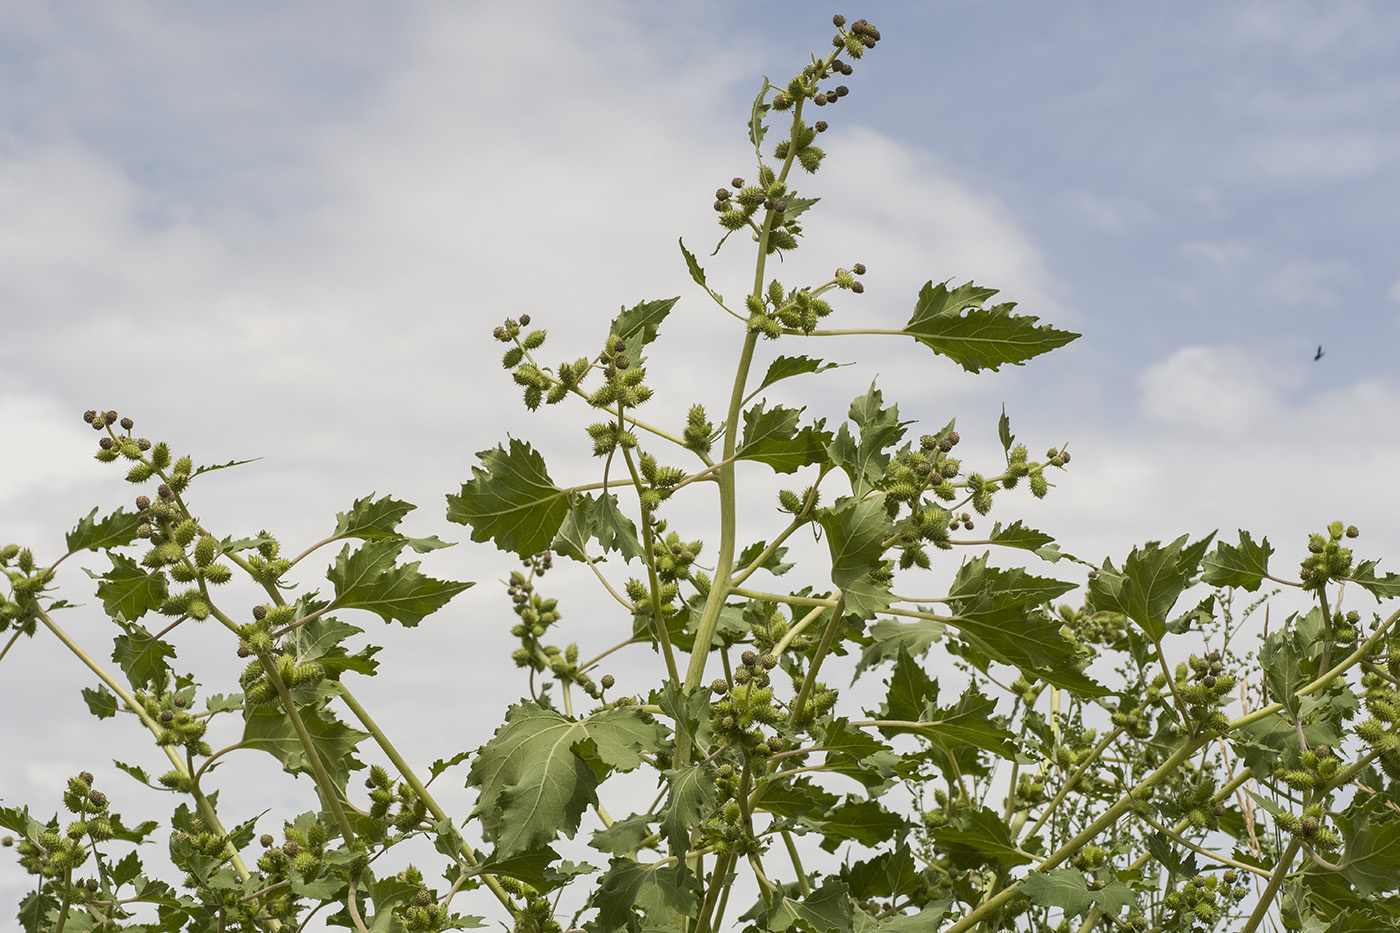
[(912, 697), (1386, 587), (773, 437), (101, 702), (1244, 566), (856, 534), (1018, 536), (623, 835), (978, 837), (857, 754), (270, 729), (1063, 888), (223, 466), (689, 797), (370, 579), (786, 366), (892, 873), (1004, 431), (371, 518), (773, 563), (756, 128), (321, 640), (141, 656), (129, 590), (511, 502), (115, 530), (697, 273), (1371, 860), (1152, 579), (862, 821), (537, 775), (890, 638), (638, 325), (865, 459), (18, 820), (137, 772), (662, 893), (956, 325), (828, 909), (441, 765)]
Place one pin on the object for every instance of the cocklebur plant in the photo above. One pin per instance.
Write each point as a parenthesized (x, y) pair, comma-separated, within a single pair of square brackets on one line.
[(1103, 762)]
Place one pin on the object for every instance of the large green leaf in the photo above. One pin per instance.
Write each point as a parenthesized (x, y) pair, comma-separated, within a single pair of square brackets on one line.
[(955, 324), (890, 637), (1147, 588), (828, 909), (773, 437), (665, 895), (128, 589), (1386, 587), (599, 519), (372, 579), (690, 796), (1245, 565), (141, 655), (638, 325), (115, 530), (856, 531), (862, 821), (512, 501), (974, 838), (541, 770), (372, 518), (1068, 889), (785, 366), (912, 697), (866, 458), (1371, 860), (271, 729)]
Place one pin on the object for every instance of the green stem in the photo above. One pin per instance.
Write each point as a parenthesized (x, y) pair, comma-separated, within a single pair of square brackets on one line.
[(663, 635), (1266, 900), (718, 874), (419, 788), (808, 682), (1067, 784)]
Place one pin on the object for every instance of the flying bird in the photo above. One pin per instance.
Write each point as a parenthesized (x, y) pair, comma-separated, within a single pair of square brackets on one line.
[(1318, 355)]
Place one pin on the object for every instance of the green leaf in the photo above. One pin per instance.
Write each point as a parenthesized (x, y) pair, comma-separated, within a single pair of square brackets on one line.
[(511, 502), (891, 637), (371, 519), (663, 894), (321, 640), (271, 729), (697, 273), (1018, 536), (756, 128), (971, 721), (1371, 861), (115, 530), (956, 325), (623, 835), (129, 590), (1063, 888), (825, 910), (142, 656), (613, 530), (1152, 579), (975, 838), (773, 564), (441, 765), (371, 579), (638, 325), (862, 821), (133, 770), (797, 798), (857, 754), (222, 466), (537, 774), (889, 874), (1289, 658), (1386, 587), (786, 366), (856, 533), (1004, 431), (865, 461), (101, 702), (690, 796), (772, 437), (1244, 566)]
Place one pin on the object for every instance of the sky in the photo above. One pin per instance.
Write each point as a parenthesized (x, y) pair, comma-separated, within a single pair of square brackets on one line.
[(286, 232)]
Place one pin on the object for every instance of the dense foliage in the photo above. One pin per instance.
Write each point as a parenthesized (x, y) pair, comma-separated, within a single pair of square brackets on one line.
[(1111, 756)]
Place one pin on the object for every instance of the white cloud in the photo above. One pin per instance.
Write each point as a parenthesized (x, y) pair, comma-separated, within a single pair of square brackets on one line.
[(1109, 214), (1212, 390)]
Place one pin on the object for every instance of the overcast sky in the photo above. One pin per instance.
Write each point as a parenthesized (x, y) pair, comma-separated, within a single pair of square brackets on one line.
[(286, 232)]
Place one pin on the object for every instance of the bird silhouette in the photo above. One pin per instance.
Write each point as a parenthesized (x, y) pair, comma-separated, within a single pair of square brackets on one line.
[(1318, 355)]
